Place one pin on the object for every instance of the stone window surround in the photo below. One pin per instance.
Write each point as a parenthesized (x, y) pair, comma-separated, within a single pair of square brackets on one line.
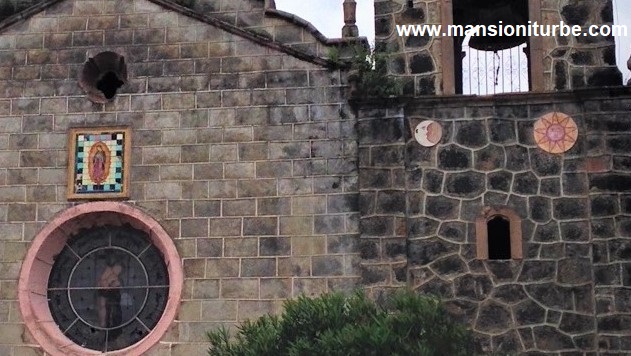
[(481, 231), (447, 49), (33, 282)]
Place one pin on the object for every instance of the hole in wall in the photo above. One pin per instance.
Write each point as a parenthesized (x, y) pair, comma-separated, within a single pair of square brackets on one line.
[(109, 84), (102, 76)]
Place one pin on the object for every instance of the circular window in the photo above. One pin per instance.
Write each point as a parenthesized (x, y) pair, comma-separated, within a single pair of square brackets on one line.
[(108, 287), (100, 277)]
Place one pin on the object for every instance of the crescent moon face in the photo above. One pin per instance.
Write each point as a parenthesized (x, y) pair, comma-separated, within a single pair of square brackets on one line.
[(428, 133)]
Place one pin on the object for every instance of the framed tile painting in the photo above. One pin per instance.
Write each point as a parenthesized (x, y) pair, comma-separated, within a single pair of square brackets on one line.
[(98, 163)]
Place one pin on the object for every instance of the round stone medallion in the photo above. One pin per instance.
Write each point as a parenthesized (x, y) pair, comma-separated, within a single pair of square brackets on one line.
[(555, 132), (428, 133)]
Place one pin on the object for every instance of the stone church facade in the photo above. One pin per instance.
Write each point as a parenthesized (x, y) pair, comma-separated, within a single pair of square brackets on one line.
[(254, 177)]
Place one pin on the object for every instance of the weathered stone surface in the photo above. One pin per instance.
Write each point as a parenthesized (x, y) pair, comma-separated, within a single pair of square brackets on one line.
[(473, 287), (550, 187), (619, 324), (493, 317), (489, 158), (576, 323), (500, 180), (453, 158), (517, 158), (570, 208), (453, 231), (550, 339), (387, 131), (425, 251), (509, 293), (471, 134), (432, 181), (438, 287), (575, 183), (610, 182), (450, 265), (466, 185), (421, 63), (502, 131), (547, 233), (537, 271), (545, 164), (420, 227), (575, 271), (526, 183), (441, 207), (503, 271), (575, 231), (539, 209), (529, 313)]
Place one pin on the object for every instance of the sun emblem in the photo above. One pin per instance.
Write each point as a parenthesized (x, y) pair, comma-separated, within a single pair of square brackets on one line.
[(555, 132)]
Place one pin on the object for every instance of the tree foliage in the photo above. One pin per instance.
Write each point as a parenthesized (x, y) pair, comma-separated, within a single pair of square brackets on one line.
[(335, 324)]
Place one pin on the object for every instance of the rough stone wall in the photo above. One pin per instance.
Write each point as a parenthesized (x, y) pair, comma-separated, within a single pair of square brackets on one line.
[(570, 292), (578, 61), (244, 154), (569, 62), (416, 60)]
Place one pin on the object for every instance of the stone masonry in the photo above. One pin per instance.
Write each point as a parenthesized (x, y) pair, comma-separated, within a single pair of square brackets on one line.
[(242, 151), (570, 293)]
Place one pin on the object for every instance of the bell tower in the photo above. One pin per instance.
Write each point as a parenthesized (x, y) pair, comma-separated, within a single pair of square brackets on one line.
[(524, 58)]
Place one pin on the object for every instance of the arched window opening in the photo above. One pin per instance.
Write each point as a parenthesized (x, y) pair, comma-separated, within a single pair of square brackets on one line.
[(498, 229), (495, 57), (498, 234)]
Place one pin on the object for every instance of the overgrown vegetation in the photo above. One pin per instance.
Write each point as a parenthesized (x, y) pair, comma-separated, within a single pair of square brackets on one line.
[(335, 324), (368, 76)]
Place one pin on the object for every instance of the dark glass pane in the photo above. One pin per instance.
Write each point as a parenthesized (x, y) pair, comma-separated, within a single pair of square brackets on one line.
[(87, 241), (156, 302), (156, 269), (87, 336), (131, 240), (60, 308), (64, 262), (84, 302), (127, 335)]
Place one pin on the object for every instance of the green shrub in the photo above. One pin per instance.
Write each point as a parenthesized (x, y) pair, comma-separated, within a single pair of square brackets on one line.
[(335, 324)]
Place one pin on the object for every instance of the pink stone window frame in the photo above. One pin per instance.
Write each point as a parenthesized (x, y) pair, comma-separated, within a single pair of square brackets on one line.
[(482, 233), (33, 282)]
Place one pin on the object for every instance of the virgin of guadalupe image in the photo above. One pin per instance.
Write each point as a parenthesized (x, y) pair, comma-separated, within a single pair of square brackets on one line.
[(98, 163)]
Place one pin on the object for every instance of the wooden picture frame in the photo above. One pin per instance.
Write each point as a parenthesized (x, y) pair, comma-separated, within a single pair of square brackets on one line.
[(99, 163)]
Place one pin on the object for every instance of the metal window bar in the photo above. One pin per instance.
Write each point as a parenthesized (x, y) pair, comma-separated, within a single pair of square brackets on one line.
[(505, 72)]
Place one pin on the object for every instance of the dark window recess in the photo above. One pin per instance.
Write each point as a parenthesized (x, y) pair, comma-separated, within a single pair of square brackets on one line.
[(108, 287), (499, 238), (102, 76), (410, 4)]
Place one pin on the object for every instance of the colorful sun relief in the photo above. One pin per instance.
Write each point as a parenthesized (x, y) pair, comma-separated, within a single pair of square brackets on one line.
[(555, 132), (98, 163)]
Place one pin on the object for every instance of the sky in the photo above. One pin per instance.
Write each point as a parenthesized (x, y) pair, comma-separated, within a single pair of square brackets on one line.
[(327, 16)]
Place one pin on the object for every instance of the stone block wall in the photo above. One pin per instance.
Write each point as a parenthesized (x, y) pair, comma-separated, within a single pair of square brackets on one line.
[(570, 291), (244, 154)]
